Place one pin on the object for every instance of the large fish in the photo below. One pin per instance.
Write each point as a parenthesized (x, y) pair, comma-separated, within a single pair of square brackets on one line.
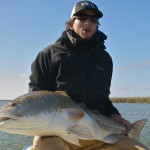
[(45, 113)]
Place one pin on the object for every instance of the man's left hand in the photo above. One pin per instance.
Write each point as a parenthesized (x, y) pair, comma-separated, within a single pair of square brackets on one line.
[(122, 121)]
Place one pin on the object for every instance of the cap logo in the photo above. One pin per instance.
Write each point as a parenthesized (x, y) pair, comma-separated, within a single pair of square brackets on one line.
[(88, 4)]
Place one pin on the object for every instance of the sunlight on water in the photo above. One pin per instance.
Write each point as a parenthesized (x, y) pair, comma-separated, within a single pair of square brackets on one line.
[(131, 112)]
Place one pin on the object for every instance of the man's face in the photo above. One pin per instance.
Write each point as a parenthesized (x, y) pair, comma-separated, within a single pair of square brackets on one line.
[(85, 28)]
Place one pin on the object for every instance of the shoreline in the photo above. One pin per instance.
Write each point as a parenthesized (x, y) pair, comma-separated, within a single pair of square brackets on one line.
[(130, 100), (121, 100)]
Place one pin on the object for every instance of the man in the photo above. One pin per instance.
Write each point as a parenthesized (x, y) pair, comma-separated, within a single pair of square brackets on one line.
[(78, 64)]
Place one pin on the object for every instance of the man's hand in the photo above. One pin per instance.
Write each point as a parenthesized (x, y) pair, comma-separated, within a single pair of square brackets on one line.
[(122, 121)]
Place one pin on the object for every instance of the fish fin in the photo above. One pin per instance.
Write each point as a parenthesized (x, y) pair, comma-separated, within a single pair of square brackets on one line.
[(111, 139), (71, 139), (62, 93), (138, 126), (73, 114), (81, 131)]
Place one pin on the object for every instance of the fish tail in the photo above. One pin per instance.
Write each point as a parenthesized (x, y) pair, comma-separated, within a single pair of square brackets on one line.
[(138, 126)]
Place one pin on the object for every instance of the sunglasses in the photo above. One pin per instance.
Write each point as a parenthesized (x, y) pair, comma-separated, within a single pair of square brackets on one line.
[(84, 17)]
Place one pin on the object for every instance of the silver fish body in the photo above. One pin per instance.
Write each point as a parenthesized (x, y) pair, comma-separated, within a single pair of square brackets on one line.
[(45, 113)]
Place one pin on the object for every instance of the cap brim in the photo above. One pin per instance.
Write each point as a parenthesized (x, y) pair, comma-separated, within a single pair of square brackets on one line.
[(98, 13)]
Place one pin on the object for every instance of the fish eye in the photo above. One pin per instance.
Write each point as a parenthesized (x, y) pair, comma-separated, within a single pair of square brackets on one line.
[(13, 104)]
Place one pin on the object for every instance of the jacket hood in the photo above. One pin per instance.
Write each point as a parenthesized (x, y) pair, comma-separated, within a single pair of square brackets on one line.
[(71, 39)]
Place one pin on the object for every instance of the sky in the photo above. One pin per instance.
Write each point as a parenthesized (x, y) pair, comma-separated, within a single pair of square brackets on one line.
[(28, 26)]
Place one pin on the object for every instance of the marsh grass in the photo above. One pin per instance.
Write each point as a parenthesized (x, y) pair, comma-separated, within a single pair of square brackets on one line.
[(130, 99)]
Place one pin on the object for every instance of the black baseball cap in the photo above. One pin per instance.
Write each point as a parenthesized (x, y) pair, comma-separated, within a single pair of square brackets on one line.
[(86, 5)]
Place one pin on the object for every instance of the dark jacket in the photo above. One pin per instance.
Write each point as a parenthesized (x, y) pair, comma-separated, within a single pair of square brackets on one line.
[(81, 68)]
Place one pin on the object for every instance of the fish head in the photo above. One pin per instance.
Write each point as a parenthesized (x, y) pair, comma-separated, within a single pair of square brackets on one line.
[(25, 113)]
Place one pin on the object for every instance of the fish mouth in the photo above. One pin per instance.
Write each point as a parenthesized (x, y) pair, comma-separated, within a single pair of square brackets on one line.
[(5, 117)]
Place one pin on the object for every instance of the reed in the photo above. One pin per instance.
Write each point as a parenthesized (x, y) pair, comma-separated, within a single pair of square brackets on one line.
[(130, 99)]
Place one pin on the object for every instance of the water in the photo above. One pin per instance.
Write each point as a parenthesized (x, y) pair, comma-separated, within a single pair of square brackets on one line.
[(131, 112), (134, 112)]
